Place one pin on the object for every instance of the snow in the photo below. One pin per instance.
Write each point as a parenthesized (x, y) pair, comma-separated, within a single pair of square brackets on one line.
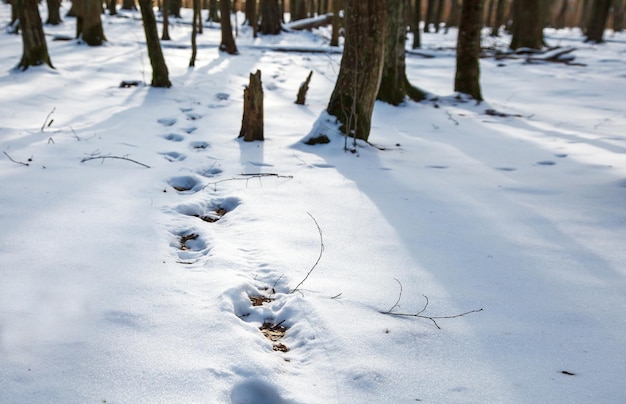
[(114, 289)]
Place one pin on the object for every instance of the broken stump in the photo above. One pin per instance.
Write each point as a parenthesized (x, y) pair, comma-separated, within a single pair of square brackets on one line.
[(304, 87), (252, 121)]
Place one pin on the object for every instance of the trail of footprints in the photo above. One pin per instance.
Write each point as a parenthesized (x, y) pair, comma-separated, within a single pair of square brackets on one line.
[(251, 304)]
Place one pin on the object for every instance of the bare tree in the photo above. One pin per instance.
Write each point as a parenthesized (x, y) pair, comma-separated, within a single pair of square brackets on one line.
[(228, 41), (467, 77), (160, 74), (35, 49), (597, 21), (354, 95), (88, 22), (270, 17), (528, 22)]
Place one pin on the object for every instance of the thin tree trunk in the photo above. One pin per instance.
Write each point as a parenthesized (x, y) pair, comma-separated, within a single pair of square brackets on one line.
[(467, 77), (334, 38), (160, 74), (417, 18), (354, 95), (618, 15), (194, 32), (34, 47), (166, 20), (498, 20)]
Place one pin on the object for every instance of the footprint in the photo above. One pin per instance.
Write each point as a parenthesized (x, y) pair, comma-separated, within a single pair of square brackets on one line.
[(546, 163), (185, 184), (255, 391), (173, 137), (210, 172), (222, 96), (506, 168), (174, 156), (167, 121), (193, 116), (199, 145), (189, 130), (560, 155), (210, 211), (438, 167), (190, 246)]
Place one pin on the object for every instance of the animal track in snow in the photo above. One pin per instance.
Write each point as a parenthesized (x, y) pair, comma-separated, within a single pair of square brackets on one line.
[(210, 172), (210, 211), (190, 245), (174, 156), (199, 145), (189, 130), (167, 121), (506, 169), (174, 137), (185, 184), (546, 163), (438, 167), (193, 116)]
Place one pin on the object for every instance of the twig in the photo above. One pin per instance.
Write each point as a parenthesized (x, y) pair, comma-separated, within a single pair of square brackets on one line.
[(247, 177), (419, 313), (114, 157), (16, 162), (46, 121), (452, 119), (319, 229), (74, 132)]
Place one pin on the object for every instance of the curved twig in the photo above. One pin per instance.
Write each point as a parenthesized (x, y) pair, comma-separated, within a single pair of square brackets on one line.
[(114, 157), (319, 229)]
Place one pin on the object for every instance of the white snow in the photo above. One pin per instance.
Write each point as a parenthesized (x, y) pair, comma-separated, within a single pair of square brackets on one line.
[(114, 289)]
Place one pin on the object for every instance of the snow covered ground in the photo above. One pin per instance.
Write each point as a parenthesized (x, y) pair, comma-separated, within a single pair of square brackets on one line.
[(127, 284)]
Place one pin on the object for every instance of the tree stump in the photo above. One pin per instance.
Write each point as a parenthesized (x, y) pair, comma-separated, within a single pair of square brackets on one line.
[(304, 87), (252, 122)]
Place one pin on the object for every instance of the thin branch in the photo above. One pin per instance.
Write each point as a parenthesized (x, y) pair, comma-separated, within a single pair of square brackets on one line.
[(419, 313), (248, 177), (319, 229), (16, 162), (114, 157), (46, 121)]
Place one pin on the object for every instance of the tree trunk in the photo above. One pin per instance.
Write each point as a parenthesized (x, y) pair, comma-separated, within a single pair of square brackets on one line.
[(194, 32), (467, 77), (165, 36), (429, 15), (498, 20), (128, 5), (213, 11), (394, 85), (54, 12), (417, 17), (353, 97), (334, 37), (228, 41), (175, 6), (160, 74), (251, 16), (597, 21), (89, 24), (300, 11), (618, 15), (270, 18), (528, 21), (34, 47), (252, 121), (455, 14)]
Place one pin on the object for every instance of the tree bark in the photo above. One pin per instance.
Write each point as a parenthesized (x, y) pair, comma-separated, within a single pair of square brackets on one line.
[(34, 47), (354, 95), (467, 77), (417, 18), (160, 74), (54, 12), (89, 23), (194, 32), (165, 36), (334, 37), (252, 121), (498, 19), (228, 41), (304, 88), (129, 5), (213, 15), (528, 21), (597, 21), (394, 85), (618, 15), (270, 18)]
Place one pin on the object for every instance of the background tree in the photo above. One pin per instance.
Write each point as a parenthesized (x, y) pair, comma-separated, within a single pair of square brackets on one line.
[(354, 95), (334, 37), (160, 74), (88, 22), (597, 21), (165, 35), (528, 22), (498, 18), (394, 85), (34, 47), (54, 12), (270, 17), (618, 15), (194, 32), (213, 15), (112, 6), (129, 5), (467, 77), (415, 24), (228, 41)]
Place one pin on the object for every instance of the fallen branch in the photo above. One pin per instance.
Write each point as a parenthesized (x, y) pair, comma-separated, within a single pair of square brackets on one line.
[(319, 229), (16, 162), (419, 314), (247, 177), (114, 157)]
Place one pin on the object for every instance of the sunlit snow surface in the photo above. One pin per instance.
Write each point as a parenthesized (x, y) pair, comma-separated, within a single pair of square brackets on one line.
[(127, 284)]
